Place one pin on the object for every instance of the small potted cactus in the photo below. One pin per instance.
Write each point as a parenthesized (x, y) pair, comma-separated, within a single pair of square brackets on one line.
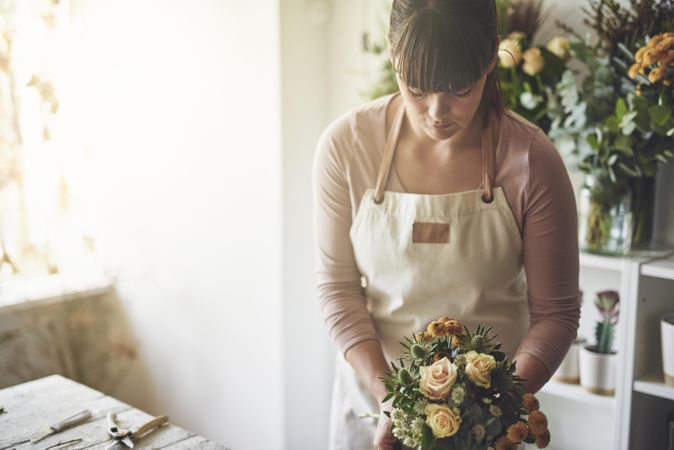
[(598, 362)]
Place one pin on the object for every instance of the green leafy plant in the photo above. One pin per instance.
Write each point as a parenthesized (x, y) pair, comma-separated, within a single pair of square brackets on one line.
[(613, 117)]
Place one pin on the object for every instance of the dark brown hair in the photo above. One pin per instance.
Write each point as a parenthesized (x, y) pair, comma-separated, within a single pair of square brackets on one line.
[(446, 45)]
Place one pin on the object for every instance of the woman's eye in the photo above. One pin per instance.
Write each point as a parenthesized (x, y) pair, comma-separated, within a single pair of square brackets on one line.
[(461, 94)]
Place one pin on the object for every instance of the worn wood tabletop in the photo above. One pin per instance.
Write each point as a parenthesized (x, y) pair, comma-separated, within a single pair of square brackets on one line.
[(36, 405)]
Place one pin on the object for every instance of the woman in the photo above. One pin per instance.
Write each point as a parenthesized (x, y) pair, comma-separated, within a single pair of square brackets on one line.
[(436, 201)]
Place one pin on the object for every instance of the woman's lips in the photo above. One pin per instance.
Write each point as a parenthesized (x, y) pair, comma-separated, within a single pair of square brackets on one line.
[(442, 126)]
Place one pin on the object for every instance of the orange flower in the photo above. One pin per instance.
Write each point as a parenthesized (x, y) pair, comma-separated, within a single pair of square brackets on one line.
[(543, 439), (538, 422), (518, 432), (504, 444), (437, 329), (454, 327), (530, 403)]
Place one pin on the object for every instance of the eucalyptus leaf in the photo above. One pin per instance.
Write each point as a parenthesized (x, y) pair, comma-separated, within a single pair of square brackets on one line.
[(660, 114), (620, 108), (634, 172)]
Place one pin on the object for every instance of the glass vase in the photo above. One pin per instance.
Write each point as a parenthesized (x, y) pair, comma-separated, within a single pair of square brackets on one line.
[(605, 217), (642, 199)]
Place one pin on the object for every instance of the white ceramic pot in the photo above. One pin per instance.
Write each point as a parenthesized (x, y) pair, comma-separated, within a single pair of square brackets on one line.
[(569, 371), (667, 336), (597, 371)]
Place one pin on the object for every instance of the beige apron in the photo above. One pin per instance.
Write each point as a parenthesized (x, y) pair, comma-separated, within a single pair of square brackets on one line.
[(426, 256)]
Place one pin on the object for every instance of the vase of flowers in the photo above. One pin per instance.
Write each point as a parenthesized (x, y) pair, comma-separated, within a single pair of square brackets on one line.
[(604, 215), (598, 361), (615, 122)]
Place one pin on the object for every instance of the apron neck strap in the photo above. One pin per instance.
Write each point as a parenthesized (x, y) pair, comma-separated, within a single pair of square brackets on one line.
[(487, 144), (487, 149), (389, 150)]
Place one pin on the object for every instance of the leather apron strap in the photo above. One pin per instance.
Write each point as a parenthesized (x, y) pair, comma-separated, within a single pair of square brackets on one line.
[(487, 148)]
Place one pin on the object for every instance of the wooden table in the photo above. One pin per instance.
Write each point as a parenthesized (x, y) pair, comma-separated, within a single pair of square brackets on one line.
[(33, 406)]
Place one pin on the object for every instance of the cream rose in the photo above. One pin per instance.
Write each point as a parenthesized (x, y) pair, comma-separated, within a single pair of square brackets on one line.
[(510, 53), (559, 46), (443, 421), (479, 367), (533, 61), (437, 379)]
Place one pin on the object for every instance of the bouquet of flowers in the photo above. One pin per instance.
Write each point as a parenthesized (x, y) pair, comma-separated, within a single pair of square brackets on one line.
[(454, 389)]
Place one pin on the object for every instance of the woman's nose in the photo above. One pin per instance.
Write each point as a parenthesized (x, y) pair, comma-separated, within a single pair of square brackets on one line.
[(439, 106)]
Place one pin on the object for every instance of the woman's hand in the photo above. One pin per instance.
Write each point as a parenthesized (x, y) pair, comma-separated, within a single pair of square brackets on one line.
[(383, 438)]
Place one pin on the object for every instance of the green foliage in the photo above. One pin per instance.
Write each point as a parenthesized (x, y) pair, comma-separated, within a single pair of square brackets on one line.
[(608, 123)]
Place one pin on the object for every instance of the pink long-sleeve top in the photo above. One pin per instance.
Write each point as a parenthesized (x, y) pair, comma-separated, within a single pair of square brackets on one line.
[(536, 185)]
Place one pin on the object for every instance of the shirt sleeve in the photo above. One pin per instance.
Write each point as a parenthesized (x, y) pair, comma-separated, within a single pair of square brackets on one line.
[(550, 248), (341, 296)]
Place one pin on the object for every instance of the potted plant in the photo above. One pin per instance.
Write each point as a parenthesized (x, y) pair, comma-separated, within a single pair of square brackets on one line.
[(597, 362)]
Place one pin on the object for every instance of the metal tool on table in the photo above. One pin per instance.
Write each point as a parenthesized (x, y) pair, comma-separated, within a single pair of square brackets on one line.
[(62, 425), (127, 436)]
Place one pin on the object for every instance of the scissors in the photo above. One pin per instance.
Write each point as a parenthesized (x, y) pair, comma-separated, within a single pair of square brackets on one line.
[(127, 436)]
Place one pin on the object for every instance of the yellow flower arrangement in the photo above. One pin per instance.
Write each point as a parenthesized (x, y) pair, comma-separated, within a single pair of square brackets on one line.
[(654, 59)]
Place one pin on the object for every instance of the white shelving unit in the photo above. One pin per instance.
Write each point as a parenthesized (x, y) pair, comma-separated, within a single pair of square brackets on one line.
[(635, 417)]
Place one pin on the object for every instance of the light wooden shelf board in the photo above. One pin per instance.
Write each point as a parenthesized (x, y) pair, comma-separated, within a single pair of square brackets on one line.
[(652, 384), (577, 393)]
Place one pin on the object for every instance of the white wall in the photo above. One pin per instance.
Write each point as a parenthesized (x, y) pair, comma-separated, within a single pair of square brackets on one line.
[(305, 84), (176, 108)]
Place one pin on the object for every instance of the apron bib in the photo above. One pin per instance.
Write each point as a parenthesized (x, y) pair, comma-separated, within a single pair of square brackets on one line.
[(425, 256)]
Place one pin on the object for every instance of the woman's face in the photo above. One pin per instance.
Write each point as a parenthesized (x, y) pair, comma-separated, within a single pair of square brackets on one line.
[(440, 115)]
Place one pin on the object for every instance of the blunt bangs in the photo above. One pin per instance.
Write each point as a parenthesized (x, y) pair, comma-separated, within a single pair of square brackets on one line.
[(438, 52)]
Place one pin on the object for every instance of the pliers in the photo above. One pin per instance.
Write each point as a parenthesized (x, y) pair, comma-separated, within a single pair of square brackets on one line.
[(127, 436)]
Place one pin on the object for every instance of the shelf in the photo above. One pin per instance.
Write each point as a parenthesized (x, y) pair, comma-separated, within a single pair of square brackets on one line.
[(602, 262), (663, 268), (577, 393), (652, 384)]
